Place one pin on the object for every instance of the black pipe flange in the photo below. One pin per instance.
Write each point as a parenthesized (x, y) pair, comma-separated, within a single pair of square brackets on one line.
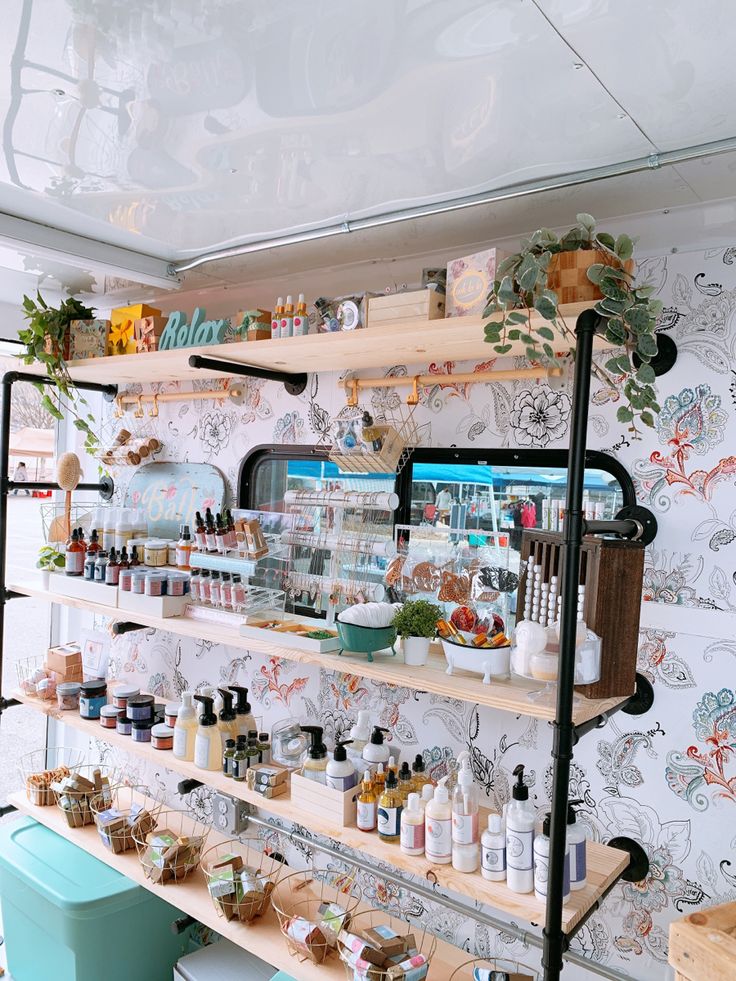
[(642, 699), (638, 867), (642, 515), (187, 786), (121, 627), (107, 487), (665, 357)]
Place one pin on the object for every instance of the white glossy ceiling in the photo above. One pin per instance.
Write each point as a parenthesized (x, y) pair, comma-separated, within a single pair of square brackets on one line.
[(174, 127)]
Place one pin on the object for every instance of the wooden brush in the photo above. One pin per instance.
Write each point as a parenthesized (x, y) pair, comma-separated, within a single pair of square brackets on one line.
[(68, 475)]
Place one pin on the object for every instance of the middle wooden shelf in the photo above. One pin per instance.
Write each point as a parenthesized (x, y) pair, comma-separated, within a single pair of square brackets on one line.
[(604, 864), (506, 696)]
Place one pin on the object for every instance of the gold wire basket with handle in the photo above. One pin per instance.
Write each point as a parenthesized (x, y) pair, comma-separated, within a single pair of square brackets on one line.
[(241, 877), (385, 948), (171, 851), (40, 768)]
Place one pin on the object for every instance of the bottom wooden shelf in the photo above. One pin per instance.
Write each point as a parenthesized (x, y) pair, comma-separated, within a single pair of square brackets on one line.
[(262, 937)]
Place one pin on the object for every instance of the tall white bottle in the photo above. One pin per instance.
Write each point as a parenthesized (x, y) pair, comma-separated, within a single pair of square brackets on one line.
[(465, 833), (493, 850), (541, 864), (438, 826), (577, 842), (376, 751), (520, 821), (185, 730)]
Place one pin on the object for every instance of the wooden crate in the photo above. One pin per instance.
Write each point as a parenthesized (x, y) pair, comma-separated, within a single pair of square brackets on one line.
[(336, 806), (612, 572), (703, 945), (400, 307), (568, 275), (387, 461)]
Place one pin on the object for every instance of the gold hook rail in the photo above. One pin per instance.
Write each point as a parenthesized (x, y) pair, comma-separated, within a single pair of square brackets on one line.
[(354, 385), (233, 393)]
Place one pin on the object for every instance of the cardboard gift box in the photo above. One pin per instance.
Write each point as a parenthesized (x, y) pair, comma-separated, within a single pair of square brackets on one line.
[(121, 339), (65, 661), (147, 331), (469, 280), (250, 325), (88, 339)]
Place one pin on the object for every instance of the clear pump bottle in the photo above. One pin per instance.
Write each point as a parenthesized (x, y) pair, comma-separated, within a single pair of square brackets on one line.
[(227, 723), (243, 715), (185, 729), (315, 765)]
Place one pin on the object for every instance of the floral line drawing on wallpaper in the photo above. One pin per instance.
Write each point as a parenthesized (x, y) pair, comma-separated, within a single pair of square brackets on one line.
[(657, 663), (617, 758), (690, 422), (215, 429), (667, 845), (669, 577), (268, 687), (540, 416), (707, 767), (705, 330)]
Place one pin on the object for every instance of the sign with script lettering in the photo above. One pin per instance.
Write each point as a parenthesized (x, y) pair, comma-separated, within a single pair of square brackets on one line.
[(199, 333)]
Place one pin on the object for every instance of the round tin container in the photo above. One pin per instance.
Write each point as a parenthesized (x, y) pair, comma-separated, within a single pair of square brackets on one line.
[(162, 736), (156, 552), (124, 725), (122, 693), (125, 580), (142, 732), (138, 581), (171, 713), (109, 716), (140, 708), (177, 583)]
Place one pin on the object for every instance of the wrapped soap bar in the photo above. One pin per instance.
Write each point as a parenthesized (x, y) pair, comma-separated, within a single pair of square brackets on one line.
[(384, 938), (362, 949), (412, 969), (332, 920), (271, 776), (309, 937)]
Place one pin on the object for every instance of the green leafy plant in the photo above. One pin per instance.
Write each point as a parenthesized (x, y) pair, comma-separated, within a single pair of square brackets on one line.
[(417, 618), (630, 311), (50, 558), (44, 339)]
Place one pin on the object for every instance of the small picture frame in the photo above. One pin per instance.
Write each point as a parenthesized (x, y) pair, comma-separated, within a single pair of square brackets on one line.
[(95, 653)]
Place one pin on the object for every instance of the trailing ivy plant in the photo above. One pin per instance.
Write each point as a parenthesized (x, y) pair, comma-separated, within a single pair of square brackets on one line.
[(44, 340), (630, 311)]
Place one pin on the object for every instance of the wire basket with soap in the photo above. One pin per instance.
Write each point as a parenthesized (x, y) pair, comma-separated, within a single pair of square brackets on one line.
[(312, 908), (173, 850), (241, 876), (41, 768)]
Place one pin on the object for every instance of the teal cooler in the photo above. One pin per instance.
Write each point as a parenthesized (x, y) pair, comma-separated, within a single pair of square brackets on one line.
[(70, 917)]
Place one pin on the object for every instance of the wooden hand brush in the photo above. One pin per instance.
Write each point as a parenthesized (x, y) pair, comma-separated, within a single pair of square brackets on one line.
[(68, 475)]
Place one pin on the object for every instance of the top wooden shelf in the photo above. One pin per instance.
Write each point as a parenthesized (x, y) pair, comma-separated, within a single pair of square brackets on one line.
[(408, 342)]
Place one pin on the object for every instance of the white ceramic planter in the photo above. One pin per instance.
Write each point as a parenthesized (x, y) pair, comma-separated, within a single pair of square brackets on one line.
[(416, 651), (45, 579)]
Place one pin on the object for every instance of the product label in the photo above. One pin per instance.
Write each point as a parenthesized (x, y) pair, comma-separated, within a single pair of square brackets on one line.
[(299, 325), (275, 327), (74, 563), (341, 783), (493, 859), (366, 815), (519, 849), (578, 865), (412, 835), (180, 743), (202, 753), (182, 557), (438, 837), (465, 828), (389, 821), (541, 874)]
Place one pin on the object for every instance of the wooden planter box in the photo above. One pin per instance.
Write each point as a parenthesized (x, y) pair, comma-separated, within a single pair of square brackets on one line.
[(568, 275), (338, 807)]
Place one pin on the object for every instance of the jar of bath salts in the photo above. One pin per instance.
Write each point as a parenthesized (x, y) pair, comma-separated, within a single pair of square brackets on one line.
[(138, 581), (156, 552), (122, 693), (125, 580), (155, 584), (67, 695), (171, 713), (109, 716), (171, 553), (142, 732), (176, 583), (162, 736), (92, 696)]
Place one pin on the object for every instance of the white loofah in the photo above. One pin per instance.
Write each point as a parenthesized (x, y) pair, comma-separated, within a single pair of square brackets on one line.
[(370, 614)]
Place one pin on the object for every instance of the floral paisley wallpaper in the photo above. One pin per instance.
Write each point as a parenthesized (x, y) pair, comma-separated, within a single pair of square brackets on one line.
[(667, 779)]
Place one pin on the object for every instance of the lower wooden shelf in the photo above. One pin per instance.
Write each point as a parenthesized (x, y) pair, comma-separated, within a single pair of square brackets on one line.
[(262, 937), (506, 696), (604, 864)]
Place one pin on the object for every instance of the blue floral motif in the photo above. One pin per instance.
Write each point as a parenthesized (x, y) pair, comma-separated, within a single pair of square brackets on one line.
[(689, 774), (692, 420)]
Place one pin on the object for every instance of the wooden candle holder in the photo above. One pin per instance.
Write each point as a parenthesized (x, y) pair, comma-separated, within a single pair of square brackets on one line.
[(612, 572)]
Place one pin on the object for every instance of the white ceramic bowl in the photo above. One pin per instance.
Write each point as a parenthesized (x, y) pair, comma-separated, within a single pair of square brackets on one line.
[(488, 661)]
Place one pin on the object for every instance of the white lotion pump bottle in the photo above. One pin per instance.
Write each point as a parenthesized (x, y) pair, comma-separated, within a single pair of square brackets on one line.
[(465, 834), (340, 773), (541, 863), (520, 821), (577, 843), (185, 730), (493, 850), (376, 751), (207, 742), (360, 733), (438, 826)]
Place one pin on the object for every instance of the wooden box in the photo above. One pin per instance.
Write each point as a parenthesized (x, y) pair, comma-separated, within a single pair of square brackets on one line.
[(336, 806), (568, 275), (612, 572), (383, 311), (88, 339), (121, 339), (147, 331), (468, 281), (703, 945)]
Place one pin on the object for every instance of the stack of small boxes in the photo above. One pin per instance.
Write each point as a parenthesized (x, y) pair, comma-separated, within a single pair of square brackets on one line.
[(166, 855), (380, 954), (250, 538), (239, 890), (268, 781), (64, 663), (117, 828), (74, 795), (316, 939)]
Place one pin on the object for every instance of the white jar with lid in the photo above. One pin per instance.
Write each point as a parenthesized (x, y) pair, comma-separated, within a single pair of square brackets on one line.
[(156, 552)]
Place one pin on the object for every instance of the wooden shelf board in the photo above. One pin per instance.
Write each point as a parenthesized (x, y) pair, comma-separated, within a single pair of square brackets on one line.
[(506, 696), (409, 342), (262, 937), (604, 863)]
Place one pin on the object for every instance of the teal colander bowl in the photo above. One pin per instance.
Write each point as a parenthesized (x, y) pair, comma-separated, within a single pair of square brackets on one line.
[(365, 640)]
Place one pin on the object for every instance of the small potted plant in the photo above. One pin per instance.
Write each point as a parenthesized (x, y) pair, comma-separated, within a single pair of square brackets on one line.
[(416, 622), (50, 559)]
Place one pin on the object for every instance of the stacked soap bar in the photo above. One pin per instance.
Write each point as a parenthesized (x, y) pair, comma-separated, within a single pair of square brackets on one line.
[(268, 781), (74, 794), (240, 890), (171, 856), (381, 954), (65, 662), (316, 938), (117, 828)]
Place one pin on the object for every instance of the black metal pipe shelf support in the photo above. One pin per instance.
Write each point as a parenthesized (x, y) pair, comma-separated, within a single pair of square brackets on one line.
[(104, 487), (293, 382)]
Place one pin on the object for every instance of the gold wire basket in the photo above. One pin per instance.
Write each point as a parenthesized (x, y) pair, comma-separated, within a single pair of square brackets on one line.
[(89, 781), (121, 813), (42, 767), (312, 911), (493, 969), (53, 518), (241, 876), (34, 679), (382, 947), (173, 850), (382, 447)]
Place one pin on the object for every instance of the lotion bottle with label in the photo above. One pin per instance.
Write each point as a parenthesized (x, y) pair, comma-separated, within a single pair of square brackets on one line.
[(412, 826), (207, 743), (340, 773), (389, 810), (243, 715), (465, 834), (493, 850), (438, 826), (577, 843), (227, 723), (541, 863), (301, 320), (185, 729), (315, 765), (520, 821), (375, 751)]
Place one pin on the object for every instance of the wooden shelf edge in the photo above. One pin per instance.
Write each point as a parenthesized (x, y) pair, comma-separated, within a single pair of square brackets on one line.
[(262, 938), (604, 863), (502, 696)]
